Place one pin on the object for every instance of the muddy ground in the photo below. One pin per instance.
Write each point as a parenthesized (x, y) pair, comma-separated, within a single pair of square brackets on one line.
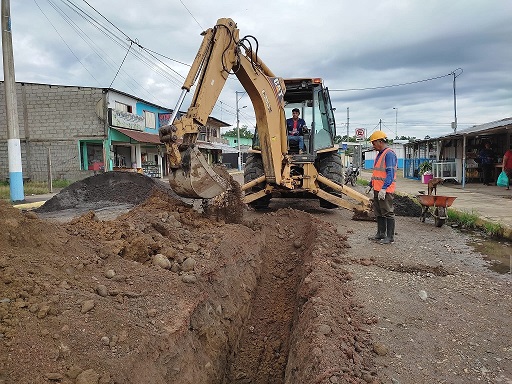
[(118, 281)]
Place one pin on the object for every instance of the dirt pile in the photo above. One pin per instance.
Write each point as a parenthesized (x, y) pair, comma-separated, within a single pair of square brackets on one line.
[(163, 294), (103, 190)]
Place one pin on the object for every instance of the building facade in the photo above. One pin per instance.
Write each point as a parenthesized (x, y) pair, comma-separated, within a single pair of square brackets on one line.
[(453, 156), (71, 132)]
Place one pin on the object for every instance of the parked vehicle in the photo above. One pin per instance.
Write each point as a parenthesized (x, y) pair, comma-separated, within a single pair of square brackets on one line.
[(351, 175)]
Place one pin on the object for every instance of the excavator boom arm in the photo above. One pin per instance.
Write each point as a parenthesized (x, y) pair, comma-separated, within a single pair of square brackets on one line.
[(220, 54)]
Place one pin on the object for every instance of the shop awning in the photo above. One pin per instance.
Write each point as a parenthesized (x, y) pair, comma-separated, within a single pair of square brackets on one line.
[(144, 137), (141, 137)]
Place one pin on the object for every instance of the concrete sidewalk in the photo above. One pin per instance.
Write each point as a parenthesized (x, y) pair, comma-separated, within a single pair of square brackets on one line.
[(35, 201), (491, 204)]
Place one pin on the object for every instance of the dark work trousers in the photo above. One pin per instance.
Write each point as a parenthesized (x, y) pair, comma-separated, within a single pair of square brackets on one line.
[(384, 207), (487, 173)]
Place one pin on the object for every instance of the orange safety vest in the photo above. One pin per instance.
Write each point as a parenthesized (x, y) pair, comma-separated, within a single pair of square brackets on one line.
[(379, 173)]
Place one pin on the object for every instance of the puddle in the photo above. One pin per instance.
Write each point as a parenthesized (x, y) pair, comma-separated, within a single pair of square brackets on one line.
[(497, 252)]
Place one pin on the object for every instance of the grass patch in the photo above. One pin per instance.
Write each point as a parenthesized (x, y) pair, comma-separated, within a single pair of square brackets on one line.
[(469, 220), (494, 229), (32, 188), (464, 218)]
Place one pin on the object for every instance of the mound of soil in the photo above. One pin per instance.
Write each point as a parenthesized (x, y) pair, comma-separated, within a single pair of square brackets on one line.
[(163, 294), (102, 190), (405, 206)]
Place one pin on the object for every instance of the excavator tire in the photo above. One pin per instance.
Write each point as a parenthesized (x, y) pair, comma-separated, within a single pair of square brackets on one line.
[(253, 170), (329, 165)]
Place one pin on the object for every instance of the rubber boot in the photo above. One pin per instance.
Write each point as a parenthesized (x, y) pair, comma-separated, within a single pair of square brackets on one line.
[(381, 229), (390, 231)]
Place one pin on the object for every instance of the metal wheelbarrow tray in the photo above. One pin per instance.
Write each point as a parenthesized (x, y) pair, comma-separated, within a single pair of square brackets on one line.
[(438, 203)]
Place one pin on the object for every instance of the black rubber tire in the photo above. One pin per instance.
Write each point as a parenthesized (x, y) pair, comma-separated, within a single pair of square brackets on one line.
[(350, 179), (439, 211), (253, 170), (329, 165)]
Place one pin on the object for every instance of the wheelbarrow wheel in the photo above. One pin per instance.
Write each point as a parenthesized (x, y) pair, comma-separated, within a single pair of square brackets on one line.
[(424, 214), (439, 216)]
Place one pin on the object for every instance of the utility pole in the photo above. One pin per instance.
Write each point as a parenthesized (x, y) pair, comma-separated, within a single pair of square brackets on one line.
[(348, 121), (455, 74), (396, 122), (238, 132), (11, 108)]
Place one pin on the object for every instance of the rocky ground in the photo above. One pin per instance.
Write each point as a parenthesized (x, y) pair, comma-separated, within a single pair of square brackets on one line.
[(118, 281)]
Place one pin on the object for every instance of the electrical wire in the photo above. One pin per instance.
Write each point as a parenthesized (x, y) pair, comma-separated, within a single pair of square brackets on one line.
[(128, 51), (132, 41), (146, 56), (390, 86), (192, 15), (99, 52), (62, 38)]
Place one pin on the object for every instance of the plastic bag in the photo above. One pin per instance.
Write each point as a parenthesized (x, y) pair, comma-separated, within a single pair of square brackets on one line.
[(502, 180)]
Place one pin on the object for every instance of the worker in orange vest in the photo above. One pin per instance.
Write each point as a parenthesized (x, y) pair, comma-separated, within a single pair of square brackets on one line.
[(383, 183)]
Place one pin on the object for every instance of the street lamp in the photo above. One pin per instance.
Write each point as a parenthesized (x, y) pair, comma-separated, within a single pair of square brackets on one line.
[(238, 129), (396, 122)]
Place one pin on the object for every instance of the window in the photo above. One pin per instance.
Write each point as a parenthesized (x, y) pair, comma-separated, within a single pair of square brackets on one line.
[(149, 118), (123, 107)]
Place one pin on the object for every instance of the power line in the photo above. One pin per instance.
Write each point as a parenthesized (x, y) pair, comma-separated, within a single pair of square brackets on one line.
[(390, 86), (66, 43), (202, 29), (146, 56), (81, 33), (121, 41), (128, 51)]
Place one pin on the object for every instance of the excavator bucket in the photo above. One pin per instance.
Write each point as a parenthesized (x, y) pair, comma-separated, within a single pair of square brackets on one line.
[(196, 178), (364, 216)]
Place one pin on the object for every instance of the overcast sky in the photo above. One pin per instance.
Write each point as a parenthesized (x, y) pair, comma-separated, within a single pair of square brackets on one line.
[(368, 45)]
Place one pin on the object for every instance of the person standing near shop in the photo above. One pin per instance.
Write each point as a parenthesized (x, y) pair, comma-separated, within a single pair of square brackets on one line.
[(487, 158), (383, 182), (507, 165)]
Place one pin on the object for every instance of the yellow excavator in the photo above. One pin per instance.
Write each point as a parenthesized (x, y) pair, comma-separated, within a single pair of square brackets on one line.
[(274, 167)]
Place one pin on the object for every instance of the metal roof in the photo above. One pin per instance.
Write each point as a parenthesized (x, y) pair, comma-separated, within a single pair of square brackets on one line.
[(138, 136), (492, 127)]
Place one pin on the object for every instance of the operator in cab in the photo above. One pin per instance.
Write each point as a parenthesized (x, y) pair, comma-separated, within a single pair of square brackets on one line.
[(296, 127), (383, 182)]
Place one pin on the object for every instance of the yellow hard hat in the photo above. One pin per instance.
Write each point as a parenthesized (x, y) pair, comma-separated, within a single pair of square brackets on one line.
[(378, 135)]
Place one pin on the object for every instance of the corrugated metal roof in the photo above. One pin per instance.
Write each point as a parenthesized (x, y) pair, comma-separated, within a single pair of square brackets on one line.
[(225, 148), (482, 128), (141, 137)]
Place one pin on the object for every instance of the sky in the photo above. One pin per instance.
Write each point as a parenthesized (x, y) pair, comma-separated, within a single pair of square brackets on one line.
[(389, 64)]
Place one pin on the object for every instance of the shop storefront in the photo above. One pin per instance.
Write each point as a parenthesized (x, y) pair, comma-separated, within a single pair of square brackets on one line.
[(136, 151)]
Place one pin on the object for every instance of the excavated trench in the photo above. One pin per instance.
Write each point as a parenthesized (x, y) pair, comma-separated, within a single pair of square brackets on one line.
[(263, 349), (270, 303), (289, 316)]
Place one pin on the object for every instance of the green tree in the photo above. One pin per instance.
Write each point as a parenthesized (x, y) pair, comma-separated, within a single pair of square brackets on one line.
[(338, 139), (244, 133)]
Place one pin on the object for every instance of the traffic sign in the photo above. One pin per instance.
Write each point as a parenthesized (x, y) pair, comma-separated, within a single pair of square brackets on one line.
[(359, 132)]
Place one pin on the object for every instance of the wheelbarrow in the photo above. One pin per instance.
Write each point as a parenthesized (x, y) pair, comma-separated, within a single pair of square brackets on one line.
[(435, 206)]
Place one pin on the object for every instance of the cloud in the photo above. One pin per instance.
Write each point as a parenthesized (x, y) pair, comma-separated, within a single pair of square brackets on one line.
[(364, 44)]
